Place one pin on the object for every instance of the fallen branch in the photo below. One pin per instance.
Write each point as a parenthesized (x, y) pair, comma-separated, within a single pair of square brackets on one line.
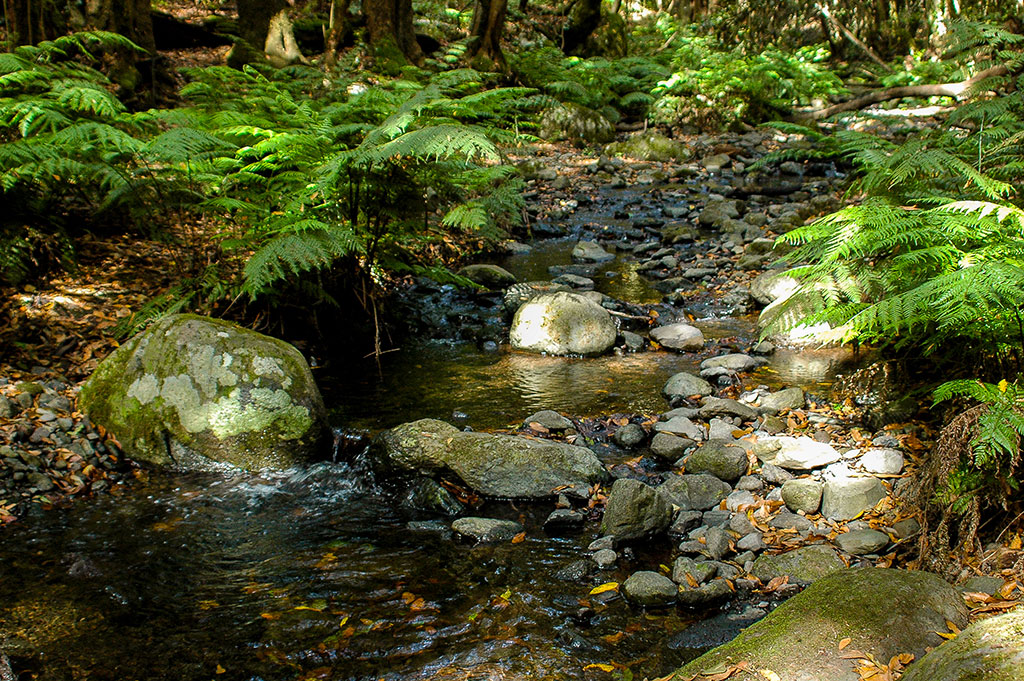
[(936, 90)]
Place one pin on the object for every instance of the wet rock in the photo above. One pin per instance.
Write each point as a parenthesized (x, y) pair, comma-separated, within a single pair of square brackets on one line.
[(724, 461), (805, 565), (802, 494), (882, 461), (735, 362), (649, 589), (635, 511), (490, 464), (605, 559), (718, 406), (846, 498), (491, 277), (630, 435), (705, 594), (796, 453), (518, 294), (670, 447), (590, 251), (988, 650), (700, 570), (678, 233), (783, 400), (695, 492), (716, 162), (685, 385), (549, 419), (487, 530), (860, 542), (685, 522), (427, 495), (574, 281), (562, 323), (576, 571), (190, 390), (882, 611), (679, 337), (563, 520)]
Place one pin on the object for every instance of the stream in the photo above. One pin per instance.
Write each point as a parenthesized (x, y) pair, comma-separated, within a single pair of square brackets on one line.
[(320, 573)]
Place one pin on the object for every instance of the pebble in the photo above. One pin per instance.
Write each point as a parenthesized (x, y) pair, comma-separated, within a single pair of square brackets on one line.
[(605, 559)]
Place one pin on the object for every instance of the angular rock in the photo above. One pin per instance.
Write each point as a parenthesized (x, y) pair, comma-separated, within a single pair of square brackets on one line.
[(428, 495), (487, 530), (716, 543), (635, 511), (718, 406), (700, 570), (805, 565), (685, 384), (670, 447), (679, 337), (719, 458), (491, 464), (491, 277), (737, 499), (191, 391), (681, 426), (790, 398), (802, 494), (562, 323), (750, 542), (694, 492), (590, 251), (882, 611), (791, 521), (989, 650), (859, 542), (650, 589), (705, 594), (797, 453), (846, 498)]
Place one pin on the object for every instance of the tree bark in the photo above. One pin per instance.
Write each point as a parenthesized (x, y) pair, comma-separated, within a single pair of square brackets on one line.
[(583, 20), (389, 22), (33, 21), (253, 24), (485, 33), (937, 90)]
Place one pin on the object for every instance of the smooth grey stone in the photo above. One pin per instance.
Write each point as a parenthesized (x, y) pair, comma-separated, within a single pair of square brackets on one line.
[(860, 542), (846, 498), (564, 520), (804, 565), (549, 419), (696, 492), (882, 461), (797, 453), (705, 594), (790, 398), (681, 426), (605, 558), (635, 511), (670, 447), (605, 542), (717, 406), (802, 494), (739, 498), (774, 474), (590, 251), (717, 517), (907, 527), (720, 430), (751, 483), (679, 337), (487, 530), (721, 459), (791, 521), (740, 524), (630, 435), (685, 384), (735, 362), (650, 589), (700, 570)]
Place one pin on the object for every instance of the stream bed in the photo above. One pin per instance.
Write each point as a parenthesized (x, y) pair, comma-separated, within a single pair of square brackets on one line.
[(319, 572)]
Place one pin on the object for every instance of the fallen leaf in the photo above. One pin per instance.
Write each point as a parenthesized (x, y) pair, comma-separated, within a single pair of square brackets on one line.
[(845, 642), (220, 670), (519, 538), (602, 667), (607, 586)]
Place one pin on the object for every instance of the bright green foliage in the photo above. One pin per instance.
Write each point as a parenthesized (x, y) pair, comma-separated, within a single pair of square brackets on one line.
[(994, 455), (712, 86)]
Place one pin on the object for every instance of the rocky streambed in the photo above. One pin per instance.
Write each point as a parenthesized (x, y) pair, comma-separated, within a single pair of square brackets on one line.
[(623, 490)]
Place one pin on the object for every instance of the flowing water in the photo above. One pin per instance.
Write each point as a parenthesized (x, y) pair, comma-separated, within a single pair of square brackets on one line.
[(317, 573)]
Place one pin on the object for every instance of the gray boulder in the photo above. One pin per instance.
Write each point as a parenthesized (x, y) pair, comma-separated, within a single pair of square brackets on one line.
[(802, 494), (846, 498), (796, 453), (859, 542), (804, 565), (989, 650), (562, 323), (549, 419), (489, 276), (719, 458), (699, 570), (695, 492), (717, 211), (882, 611), (630, 435), (487, 530), (685, 384), (882, 461), (790, 398), (190, 391), (733, 362), (681, 426), (649, 589), (705, 594), (590, 251), (490, 464), (670, 447), (719, 406), (679, 337), (635, 511), (649, 145)]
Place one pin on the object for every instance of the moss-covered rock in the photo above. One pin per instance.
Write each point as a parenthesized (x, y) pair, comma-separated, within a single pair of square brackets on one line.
[(649, 145), (190, 391), (988, 650), (882, 611), (491, 464), (570, 121), (803, 565)]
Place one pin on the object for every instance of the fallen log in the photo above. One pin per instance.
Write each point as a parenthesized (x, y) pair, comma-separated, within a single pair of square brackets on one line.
[(936, 90)]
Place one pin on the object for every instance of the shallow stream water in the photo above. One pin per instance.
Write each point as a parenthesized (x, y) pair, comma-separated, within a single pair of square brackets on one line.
[(315, 573)]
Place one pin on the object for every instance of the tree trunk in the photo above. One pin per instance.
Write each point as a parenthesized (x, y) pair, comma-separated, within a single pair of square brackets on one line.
[(253, 24), (937, 90), (336, 31), (485, 34), (582, 21), (389, 23), (32, 21)]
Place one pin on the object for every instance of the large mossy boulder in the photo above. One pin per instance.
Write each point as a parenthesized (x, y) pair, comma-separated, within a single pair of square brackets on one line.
[(570, 121), (882, 611), (191, 391), (988, 650), (491, 464), (649, 145), (563, 323)]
